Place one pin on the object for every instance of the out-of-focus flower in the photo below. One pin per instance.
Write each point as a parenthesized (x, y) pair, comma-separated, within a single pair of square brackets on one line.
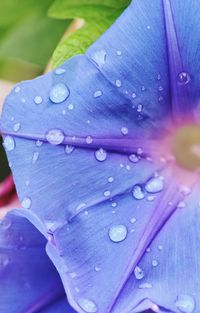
[(105, 157)]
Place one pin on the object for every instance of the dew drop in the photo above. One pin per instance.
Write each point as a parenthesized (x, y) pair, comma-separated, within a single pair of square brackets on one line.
[(97, 269), (107, 193), (70, 106), (35, 157), (139, 108), (119, 52), (99, 57), (17, 127), (97, 94), (89, 140), (59, 93), (154, 185), (26, 203), (9, 143), (133, 158), (124, 131), (55, 136), (183, 78), (69, 149), (185, 303), (118, 233), (145, 286), (134, 95), (154, 263), (87, 305), (39, 143), (139, 273), (138, 194), (17, 89), (118, 83), (60, 71), (110, 179), (38, 100), (133, 220), (101, 155), (4, 261)]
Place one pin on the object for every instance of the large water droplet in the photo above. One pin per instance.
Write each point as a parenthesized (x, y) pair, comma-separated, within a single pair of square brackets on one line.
[(154, 185), (26, 203), (9, 143), (101, 155), (185, 303), (87, 305), (138, 194), (139, 273), (59, 93), (118, 233), (99, 57), (55, 136), (184, 78)]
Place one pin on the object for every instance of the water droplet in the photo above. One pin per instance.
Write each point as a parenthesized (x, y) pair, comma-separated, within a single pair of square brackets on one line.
[(107, 193), (160, 247), (60, 71), (55, 136), (114, 204), (145, 286), (118, 83), (185, 303), (110, 179), (59, 93), (26, 203), (97, 269), (139, 273), (154, 263), (73, 274), (38, 100), (133, 158), (101, 155), (87, 305), (97, 94), (89, 140), (5, 223), (70, 106), (9, 143), (80, 207), (69, 149), (17, 127), (35, 157), (99, 57), (183, 78), (39, 143), (4, 261), (17, 89), (154, 185), (133, 220), (134, 95), (139, 108), (181, 205), (124, 131), (119, 52), (138, 194), (118, 233)]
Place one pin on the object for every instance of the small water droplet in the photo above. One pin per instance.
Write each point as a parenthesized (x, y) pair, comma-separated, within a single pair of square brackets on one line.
[(134, 95), (69, 149), (60, 71), (139, 108), (133, 220), (185, 303), (133, 158), (181, 205), (119, 52), (154, 263), (87, 305), (39, 143), (16, 127), (26, 203), (70, 106), (35, 157), (89, 140), (110, 179), (4, 261), (138, 194), (55, 136), (118, 83), (38, 100), (101, 155), (139, 273), (114, 204), (183, 78), (160, 247), (99, 57), (9, 143), (124, 131), (97, 269), (118, 233), (17, 89), (107, 193), (145, 286), (59, 93), (97, 94), (154, 185)]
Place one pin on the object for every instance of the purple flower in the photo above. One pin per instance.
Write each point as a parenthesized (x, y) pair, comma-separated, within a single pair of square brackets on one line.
[(105, 156)]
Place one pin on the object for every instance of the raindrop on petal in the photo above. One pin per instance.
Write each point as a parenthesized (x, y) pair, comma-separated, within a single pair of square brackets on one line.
[(101, 155), (60, 71), (55, 136), (69, 149), (145, 286), (16, 127), (59, 93), (138, 194), (183, 78), (124, 131), (26, 203), (38, 100), (185, 303), (97, 94), (139, 273), (87, 305), (118, 233), (99, 57), (154, 185), (9, 143)]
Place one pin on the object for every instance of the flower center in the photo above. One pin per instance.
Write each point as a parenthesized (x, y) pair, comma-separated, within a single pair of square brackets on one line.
[(186, 147)]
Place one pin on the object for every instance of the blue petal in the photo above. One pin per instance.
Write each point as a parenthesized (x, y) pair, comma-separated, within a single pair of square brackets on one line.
[(28, 279), (170, 265)]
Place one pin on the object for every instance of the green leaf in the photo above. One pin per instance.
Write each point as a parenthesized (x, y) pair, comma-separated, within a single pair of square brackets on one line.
[(98, 16)]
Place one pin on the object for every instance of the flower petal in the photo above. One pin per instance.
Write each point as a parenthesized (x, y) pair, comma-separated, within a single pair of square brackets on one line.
[(28, 279)]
